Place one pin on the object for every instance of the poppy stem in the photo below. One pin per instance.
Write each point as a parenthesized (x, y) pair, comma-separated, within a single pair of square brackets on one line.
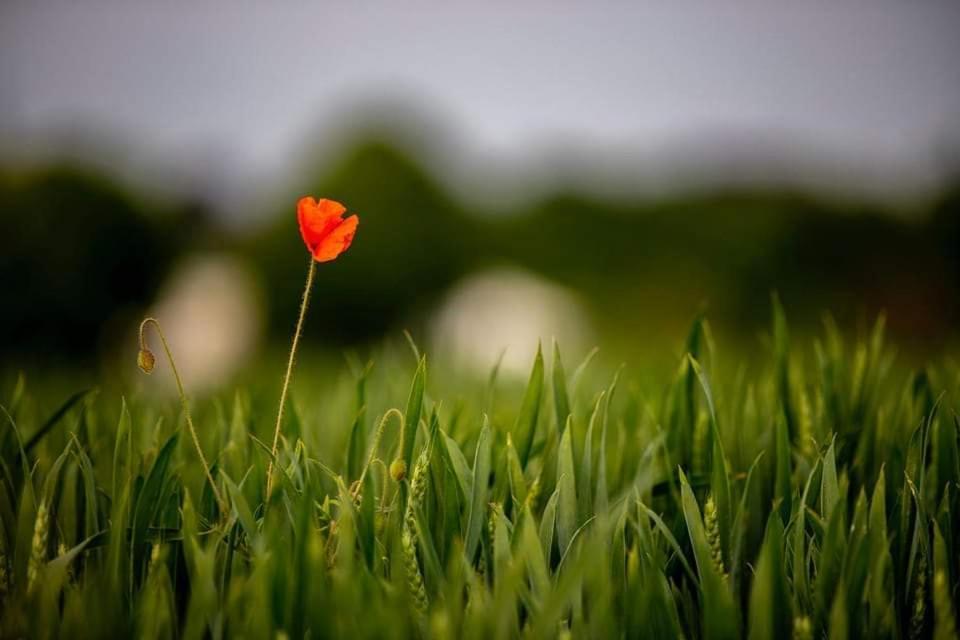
[(286, 378), (183, 401), (376, 444)]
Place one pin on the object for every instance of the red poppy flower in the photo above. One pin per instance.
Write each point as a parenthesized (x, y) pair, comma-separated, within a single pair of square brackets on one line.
[(325, 232)]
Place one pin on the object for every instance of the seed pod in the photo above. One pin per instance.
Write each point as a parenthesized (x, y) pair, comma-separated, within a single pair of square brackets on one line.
[(146, 361), (398, 470)]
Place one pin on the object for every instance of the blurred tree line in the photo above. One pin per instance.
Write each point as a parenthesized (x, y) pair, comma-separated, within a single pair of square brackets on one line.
[(78, 251)]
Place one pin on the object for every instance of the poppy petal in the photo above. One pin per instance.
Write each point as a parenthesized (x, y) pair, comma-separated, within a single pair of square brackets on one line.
[(317, 219), (314, 213), (336, 241), (330, 208), (305, 205), (306, 212)]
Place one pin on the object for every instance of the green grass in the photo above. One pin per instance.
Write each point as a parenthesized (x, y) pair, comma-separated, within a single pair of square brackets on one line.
[(813, 494)]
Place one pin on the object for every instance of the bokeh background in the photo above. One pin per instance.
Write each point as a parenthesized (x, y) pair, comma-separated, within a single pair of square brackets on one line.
[(598, 174)]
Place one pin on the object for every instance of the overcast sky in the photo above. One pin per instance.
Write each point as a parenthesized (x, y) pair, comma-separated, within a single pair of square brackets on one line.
[(236, 86)]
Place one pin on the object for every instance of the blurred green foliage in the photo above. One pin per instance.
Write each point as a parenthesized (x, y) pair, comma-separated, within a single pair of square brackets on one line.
[(77, 250), (813, 496)]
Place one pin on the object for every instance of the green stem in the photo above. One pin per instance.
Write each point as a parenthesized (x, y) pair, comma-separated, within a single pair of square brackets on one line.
[(183, 401), (376, 442), (286, 379)]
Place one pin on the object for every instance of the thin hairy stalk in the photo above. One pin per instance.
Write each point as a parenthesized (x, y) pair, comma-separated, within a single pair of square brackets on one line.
[(376, 440), (146, 361), (286, 378)]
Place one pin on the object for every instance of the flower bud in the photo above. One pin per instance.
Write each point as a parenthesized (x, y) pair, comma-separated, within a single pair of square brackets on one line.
[(398, 469), (146, 361), (356, 491)]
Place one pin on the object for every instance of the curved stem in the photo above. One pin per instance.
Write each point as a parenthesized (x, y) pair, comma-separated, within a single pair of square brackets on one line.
[(183, 401), (386, 481), (376, 442), (286, 379)]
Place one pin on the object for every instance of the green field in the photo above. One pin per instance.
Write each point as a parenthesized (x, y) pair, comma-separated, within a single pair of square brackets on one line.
[(811, 494)]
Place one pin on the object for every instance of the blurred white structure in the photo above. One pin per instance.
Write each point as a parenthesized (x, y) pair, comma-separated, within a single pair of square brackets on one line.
[(506, 311), (210, 312)]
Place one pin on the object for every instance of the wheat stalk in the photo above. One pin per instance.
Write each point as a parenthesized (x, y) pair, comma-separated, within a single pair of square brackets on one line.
[(408, 536), (38, 548), (919, 601), (711, 522)]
